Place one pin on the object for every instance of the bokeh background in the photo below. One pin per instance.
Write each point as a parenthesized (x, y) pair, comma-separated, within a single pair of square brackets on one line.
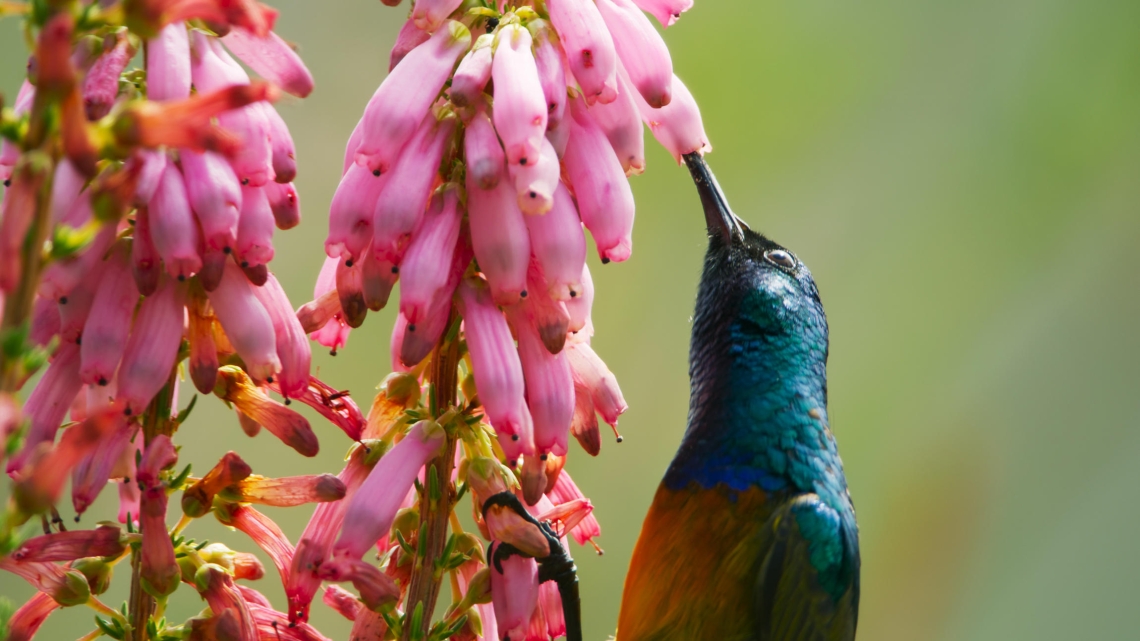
[(963, 178)]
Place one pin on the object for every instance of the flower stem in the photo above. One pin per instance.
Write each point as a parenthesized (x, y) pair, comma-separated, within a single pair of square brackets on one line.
[(426, 578)]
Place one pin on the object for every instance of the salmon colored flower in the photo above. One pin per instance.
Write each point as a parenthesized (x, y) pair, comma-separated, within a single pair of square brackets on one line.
[(263, 531), (289, 491), (292, 428), (28, 618), (69, 546), (199, 497)]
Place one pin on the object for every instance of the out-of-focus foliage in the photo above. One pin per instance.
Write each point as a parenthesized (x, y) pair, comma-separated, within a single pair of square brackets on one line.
[(963, 178)]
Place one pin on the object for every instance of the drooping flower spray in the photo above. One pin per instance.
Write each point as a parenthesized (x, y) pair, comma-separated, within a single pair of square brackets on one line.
[(502, 133)]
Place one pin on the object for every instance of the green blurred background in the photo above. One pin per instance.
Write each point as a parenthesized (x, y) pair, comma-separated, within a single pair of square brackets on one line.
[(963, 179)]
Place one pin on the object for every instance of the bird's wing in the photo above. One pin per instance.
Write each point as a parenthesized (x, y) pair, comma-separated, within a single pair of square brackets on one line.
[(807, 588)]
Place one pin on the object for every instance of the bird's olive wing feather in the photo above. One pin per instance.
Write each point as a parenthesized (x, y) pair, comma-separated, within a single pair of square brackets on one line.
[(805, 588)]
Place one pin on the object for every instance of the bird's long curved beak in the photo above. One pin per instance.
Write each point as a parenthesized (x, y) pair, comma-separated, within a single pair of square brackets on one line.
[(719, 218)]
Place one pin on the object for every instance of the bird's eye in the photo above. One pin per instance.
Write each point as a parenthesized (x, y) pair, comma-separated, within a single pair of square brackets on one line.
[(780, 258)]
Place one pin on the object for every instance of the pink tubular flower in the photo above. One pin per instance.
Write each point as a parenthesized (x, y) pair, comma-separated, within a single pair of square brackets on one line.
[(335, 405), (129, 494), (218, 590), (470, 78), (642, 52), (667, 12), (16, 213), (172, 227), (65, 587), (499, 238), (197, 499), (430, 14), (28, 618), (109, 320), (376, 588), (65, 187), (289, 491), (45, 321), (549, 316), (549, 62), (425, 274), (168, 64), (255, 228), (403, 99), (378, 276), (281, 144), (152, 347), (351, 213), (89, 477), (621, 121), (580, 306), (69, 546), (589, 47), (592, 373), (535, 183), (272, 58), (292, 344), (49, 401), (264, 533), (498, 371), (76, 306), (342, 601), (520, 106), (370, 511), (152, 163), (564, 493), (409, 38), (215, 197), (678, 126), (605, 200), (401, 206), (146, 264), (486, 161), (246, 322), (549, 390), (350, 289), (559, 246), (514, 592), (158, 568), (62, 276), (284, 203), (289, 426), (333, 332), (101, 83), (420, 338)]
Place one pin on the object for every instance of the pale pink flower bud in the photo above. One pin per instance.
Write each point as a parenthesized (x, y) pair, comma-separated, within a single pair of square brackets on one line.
[(152, 346), (334, 332), (254, 160), (49, 401), (168, 64), (642, 52), (592, 373), (342, 601), (401, 206), (559, 246), (667, 12), (430, 14), (153, 163), (172, 227), (580, 306), (377, 278), (376, 588), (565, 492), (45, 321), (28, 618), (514, 591), (212, 68), (486, 161), (109, 320), (470, 78), (75, 307), (621, 120), (284, 203), (498, 371), (605, 200), (549, 61), (101, 83), (264, 533), (69, 546), (65, 188), (352, 211), (549, 390), (420, 338), (281, 144), (246, 322), (409, 38), (678, 126), (425, 274), (371, 510), (215, 197), (589, 47), (292, 344), (402, 100), (535, 183), (520, 106), (499, 238), (272, 58), (350, 289), (255, 228)]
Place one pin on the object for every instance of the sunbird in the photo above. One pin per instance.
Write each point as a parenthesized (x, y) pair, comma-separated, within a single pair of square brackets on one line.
[(752, 532)]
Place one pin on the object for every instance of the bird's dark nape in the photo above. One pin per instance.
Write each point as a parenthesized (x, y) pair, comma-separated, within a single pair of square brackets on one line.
[(719, 219)]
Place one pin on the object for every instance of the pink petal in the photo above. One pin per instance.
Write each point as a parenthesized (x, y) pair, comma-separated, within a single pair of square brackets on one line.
[(403, 99), (49, 401), (65, 201), (589, 47), (549, 390), (605, 200), (292, 344), (430, 14), (486, 161), (559, 246), (168, 64), (550, 64), (284, 203), (215, 196), (284, 156), (109, 320), (520, 106), (409, 38), (581, 305), (146, 264), (255, 228), (351, 212), (423, 271), (246, 322), (152, 346), (678, 127), (535, 183), (667, 12), (592, 373), (378, 277), (470, 78), (272, 58), (172, 227), (514, 591), (101, 82), (499, 238), (621, 120), (642, 52)]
